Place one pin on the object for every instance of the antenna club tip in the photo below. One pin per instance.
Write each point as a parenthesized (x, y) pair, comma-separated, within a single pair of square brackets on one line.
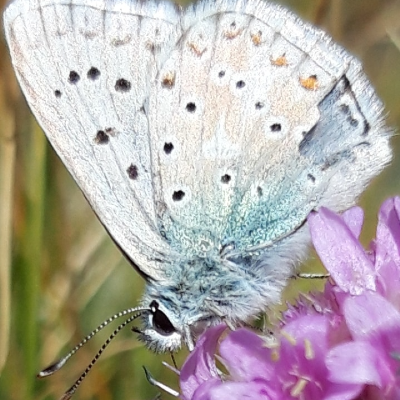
[(51, 369)]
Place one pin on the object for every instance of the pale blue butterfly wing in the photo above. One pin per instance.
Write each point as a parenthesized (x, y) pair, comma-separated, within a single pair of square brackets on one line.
[(202, 139), (257, 120)]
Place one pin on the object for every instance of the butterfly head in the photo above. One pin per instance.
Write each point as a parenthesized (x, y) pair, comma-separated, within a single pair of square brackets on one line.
[(160, 331), (165, 329)]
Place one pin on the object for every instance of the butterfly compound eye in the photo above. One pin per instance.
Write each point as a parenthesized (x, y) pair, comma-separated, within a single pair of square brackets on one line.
[(161, 323)]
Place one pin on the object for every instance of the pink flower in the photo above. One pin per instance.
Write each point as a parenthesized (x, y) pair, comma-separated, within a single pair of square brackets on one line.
[(343, 344), (294, 367)]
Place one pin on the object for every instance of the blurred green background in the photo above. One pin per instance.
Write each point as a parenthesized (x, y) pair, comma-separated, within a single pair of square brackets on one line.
[(60, 275)]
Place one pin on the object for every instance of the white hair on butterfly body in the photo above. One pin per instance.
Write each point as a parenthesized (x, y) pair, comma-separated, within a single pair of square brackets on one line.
[(202, 138)]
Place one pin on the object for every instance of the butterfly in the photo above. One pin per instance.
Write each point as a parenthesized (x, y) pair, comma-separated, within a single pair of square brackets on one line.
[(202, 137)]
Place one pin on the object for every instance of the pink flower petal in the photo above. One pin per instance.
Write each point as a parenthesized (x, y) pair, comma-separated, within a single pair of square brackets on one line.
[(343, 392), (246, 356), (341, 252), (370, 314), (388, 233), (200, 365), (354, 362), (354, 219), (241, 390), (203, 392)]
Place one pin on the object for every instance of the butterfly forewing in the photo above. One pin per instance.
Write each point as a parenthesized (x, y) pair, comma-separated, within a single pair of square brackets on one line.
[(87, 72)]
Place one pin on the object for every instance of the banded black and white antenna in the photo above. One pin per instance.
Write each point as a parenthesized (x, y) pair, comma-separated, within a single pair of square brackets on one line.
[(56, 366)]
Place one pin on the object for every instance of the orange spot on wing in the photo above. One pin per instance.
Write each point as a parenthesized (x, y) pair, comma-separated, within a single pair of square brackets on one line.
[(256, 38), (310, 83), (281, 61), (196, 48), (168, 80), (233, 31)]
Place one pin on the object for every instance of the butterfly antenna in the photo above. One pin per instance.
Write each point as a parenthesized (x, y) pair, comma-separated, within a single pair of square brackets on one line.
[(69, 393), (312, 276), (60, 363)]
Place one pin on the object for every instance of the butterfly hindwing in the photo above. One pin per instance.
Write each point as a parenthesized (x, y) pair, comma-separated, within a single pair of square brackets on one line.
[(249, 128)]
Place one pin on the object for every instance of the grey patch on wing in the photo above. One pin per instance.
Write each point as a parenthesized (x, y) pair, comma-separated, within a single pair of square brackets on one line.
[(341, 127)]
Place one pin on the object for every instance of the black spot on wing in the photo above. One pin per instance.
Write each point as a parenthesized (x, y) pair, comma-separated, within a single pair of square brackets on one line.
[(73, 77), (122, 85), (132, 171)]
